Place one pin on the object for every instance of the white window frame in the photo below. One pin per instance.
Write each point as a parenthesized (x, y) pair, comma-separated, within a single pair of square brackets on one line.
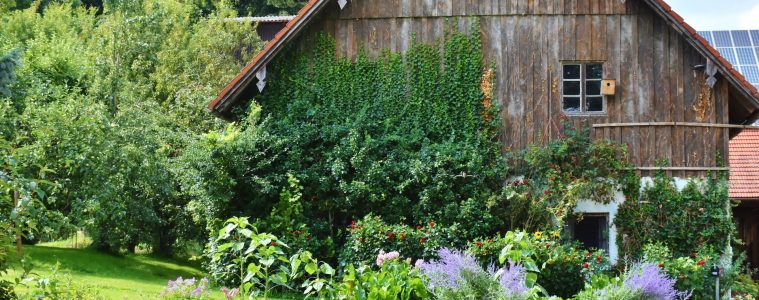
[(583, 80)]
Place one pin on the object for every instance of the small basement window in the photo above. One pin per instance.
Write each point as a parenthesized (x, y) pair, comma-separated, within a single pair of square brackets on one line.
[(581, 88), (592, 231)]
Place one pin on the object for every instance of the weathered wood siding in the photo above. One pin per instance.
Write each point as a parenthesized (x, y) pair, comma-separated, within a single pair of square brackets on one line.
[(528, 40)]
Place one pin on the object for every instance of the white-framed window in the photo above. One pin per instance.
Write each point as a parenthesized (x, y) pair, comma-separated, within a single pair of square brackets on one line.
[(581, 88)]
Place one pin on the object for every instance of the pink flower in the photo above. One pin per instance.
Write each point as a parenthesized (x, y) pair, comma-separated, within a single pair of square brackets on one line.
[(418, 264), (384, 257), (230, 293)]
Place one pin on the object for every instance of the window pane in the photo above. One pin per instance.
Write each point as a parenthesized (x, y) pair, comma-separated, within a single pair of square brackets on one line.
[(593, 88), (595, 104), (594, 71), (571, 88), (571, 71), (572, 104)]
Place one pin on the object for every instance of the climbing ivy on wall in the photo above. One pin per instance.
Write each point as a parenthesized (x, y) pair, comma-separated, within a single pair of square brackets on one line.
[(408, 137)]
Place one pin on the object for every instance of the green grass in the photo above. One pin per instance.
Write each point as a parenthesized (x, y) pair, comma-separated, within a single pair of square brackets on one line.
[(116, 277)]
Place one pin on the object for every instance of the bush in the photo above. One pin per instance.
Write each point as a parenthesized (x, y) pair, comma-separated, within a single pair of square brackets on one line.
[(698, 216), (562, 266), (367, 236), (693, 272), (395, 279)]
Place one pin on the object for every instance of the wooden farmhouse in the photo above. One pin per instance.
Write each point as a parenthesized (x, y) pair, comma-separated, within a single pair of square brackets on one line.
[(633, 70)]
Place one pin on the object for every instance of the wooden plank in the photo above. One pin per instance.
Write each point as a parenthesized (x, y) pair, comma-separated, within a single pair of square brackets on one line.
[(524, 69), (614, 48), (676, 124), (645, 84), (629, 76), (568, 46), (539, 80), (598, 50), (583, 37)]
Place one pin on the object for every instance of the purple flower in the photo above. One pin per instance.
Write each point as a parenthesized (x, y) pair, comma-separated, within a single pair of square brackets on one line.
[(654, 284), (447, 272), (512, 279)]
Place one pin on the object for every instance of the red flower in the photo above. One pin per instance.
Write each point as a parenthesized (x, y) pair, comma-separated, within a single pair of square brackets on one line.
[(587, 254), (547, 192), (516, 183), (432, 223), (403, 236), (525, 182), (479, 244), (490, 241), (359, 227), (693, 254), (391, 235), (661, 266), (701, 262), (422, 240), (551, 179), (308, 238), (599, 258), (585, 265), (418, 227), (274, 243)]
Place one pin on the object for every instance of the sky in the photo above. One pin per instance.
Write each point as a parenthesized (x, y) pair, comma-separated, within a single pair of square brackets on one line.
[(718, 15)]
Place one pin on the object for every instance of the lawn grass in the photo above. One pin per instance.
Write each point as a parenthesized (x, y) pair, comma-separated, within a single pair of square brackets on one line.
[(115, 277)]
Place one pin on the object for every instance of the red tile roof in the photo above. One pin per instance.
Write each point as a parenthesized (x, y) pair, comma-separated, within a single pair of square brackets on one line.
[(744, 165), (231, 92)]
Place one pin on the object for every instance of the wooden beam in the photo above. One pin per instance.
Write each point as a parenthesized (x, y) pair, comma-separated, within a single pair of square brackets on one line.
[(682, 168), (675, 124)]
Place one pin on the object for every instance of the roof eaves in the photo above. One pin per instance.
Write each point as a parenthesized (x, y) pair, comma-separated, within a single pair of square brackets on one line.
[(270, 50), (696, 40)]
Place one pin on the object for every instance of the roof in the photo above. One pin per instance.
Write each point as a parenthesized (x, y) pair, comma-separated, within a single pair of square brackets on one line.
[(740, 48), (744, 165), (230, 94), (266, 19)]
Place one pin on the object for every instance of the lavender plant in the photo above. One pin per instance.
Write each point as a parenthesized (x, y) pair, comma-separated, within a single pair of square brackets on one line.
[(186, 289), (457, 275), (653, 283)]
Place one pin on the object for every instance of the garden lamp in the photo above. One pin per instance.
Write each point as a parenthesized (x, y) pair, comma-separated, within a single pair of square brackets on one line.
[(715, 274)]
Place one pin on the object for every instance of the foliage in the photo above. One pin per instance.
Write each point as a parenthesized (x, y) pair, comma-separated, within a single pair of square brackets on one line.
[(395, 279), (560, 267), (693, 272), (186, 289), (685, 221), (259, 263), (367, 236), (8, 65), (109, 99), (59, 286), (603, 287), (362, 137), (576, 167)]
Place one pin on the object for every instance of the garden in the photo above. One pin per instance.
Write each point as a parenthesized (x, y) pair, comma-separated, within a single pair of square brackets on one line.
[(346, 179)]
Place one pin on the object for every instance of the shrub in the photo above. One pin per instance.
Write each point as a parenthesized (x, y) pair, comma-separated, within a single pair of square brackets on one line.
[(395, 279), (561, 267), (692, 273), (367, 236), (684, 221), (653, 283), (258, 264)]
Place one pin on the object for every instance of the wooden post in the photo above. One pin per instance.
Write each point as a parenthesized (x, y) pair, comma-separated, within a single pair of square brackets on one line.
[(18, 232)]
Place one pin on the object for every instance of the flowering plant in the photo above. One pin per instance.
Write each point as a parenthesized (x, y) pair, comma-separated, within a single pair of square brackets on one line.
[(395, 279), (457, 275), (186, 289), (367, 236)]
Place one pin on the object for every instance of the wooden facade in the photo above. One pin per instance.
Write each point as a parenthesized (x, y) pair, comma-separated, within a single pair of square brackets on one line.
[(653, 63)]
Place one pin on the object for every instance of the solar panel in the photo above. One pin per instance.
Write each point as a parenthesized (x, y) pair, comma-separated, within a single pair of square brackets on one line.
[(751, 73), (746, 56), (755, 37), (707, 36), (741, 39), (722, 39), (739, 47), (728, 54)]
